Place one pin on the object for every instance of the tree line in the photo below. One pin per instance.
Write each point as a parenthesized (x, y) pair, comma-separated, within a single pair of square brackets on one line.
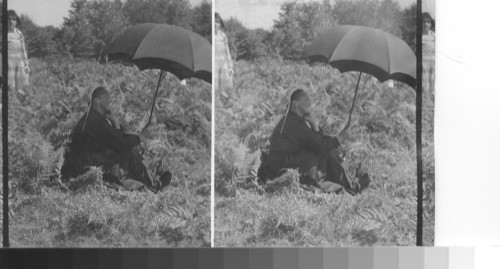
[(91, 24), (300, 23)]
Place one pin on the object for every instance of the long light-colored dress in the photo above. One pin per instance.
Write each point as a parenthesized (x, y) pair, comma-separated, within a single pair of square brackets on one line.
[(18, 61), (223, 62)]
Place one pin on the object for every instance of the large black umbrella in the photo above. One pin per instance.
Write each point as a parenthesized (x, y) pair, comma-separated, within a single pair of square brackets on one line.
[(365, 50), (165, 47)]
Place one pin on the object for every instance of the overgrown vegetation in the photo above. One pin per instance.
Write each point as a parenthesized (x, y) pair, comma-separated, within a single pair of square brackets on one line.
[(83, 212), (92, 24), (382, 137), (299, 23)]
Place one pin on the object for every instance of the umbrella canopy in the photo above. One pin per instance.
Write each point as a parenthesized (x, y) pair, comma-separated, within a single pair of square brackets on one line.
[(367, 50), (165, 47), (161, 46)]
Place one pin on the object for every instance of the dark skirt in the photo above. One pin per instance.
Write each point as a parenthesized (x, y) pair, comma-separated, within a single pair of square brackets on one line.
[(130, 162), (313, 168)]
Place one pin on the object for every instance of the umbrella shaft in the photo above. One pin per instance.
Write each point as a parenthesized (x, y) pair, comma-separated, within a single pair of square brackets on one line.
[(154, 99), (353, 101)]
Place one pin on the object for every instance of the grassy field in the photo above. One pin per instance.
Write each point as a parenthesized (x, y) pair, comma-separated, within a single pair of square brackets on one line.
[(83, 212), (382, 136)]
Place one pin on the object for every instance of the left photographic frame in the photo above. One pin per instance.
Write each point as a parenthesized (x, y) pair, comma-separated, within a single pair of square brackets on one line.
[(109, 123)]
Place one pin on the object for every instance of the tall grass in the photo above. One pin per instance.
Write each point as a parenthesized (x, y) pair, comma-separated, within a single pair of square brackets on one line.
[(382, 137), (82, 212)]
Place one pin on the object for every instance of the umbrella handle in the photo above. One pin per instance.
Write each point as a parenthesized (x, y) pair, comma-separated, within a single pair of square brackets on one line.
[(154, 100), (352, 105)]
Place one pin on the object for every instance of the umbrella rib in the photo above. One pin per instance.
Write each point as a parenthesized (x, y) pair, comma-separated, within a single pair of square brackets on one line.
[(389, 54), (140, 43), (192, 51), (338, 44)]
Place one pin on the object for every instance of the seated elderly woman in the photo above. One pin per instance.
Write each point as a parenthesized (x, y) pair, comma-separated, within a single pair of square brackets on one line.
[(98, 140), (298, 143)]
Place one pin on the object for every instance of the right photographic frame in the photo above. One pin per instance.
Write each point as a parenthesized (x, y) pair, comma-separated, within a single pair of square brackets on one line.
[(324, 123)]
